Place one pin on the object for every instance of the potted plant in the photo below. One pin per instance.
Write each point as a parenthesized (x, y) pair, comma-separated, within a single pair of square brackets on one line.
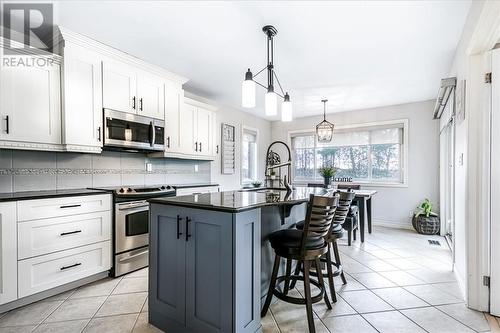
[(327, 172), (256, 183), (425, 221)]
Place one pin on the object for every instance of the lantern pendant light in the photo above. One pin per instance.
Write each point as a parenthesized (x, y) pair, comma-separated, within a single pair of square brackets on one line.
[(324, 130), (271, 96)]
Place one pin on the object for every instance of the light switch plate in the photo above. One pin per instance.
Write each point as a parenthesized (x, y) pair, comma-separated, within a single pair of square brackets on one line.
[(149, 167), (196, 168)]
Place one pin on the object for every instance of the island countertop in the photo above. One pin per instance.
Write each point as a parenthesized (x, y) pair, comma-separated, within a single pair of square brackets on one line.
[(239, 201)]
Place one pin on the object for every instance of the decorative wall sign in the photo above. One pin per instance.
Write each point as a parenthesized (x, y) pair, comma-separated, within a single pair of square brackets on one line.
[(460, 101), (228, 145)]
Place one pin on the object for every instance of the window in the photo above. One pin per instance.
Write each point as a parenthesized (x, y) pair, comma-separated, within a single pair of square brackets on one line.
[(367, 154), (248, 156)]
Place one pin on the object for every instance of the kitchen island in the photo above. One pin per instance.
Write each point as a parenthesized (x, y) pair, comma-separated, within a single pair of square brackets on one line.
[(210, 261)]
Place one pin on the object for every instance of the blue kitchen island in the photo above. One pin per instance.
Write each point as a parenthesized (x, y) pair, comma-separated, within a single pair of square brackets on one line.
[(210, 261)]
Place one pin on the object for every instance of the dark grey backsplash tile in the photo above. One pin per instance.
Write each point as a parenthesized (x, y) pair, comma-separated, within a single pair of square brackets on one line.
[(34, 170)]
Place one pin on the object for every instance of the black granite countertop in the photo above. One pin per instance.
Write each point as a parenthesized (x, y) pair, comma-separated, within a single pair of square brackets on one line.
[(29, 195), (176, 186), (241, 200)]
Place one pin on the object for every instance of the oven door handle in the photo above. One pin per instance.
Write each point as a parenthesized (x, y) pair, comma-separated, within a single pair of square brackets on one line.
[(131, 206), (152, 134), (134, 256)]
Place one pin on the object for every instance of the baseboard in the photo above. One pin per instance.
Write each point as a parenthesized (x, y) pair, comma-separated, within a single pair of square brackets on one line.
[(461, 284), (392, 224)]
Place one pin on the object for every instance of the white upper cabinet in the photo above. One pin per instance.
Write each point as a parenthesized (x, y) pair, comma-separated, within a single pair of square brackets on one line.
[(82, 102), (30, 104), (119, 87), (189, 143), (151, 95), (8, 252), (174, 103), (203, 131)]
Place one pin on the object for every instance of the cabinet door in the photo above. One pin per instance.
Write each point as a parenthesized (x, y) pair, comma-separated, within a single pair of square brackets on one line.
[(82, 97), (30, 104), (188, 130), (209, 273), (167, 275), (174, 96), (204, 122), (150, 91), (119, 87), (8, 248)]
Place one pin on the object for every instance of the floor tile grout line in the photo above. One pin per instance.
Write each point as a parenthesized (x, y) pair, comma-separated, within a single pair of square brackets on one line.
[(140, 311), (55, 309), (437, 308)]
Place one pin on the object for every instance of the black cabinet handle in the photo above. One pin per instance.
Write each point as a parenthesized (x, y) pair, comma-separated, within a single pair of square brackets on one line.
[(179, 233), (196, 145), (217, 149), (133, 102), (200, 147), (168, 142), (187, 228), (70, 206), (140, 104), (7, 124), (70, 232), (70, 266), (99, 133)]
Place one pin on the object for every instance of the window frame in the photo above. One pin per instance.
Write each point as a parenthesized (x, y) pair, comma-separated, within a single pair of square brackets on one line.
[(403, 155), (256, 132)]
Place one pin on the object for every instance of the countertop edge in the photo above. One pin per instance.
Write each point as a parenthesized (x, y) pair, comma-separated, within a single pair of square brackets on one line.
[(28, 195)]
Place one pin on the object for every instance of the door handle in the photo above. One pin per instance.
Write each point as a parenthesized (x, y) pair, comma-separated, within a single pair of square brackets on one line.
[(70, 206), (70, 232), (217, 149), (152, 134), (140, 104), (179, 233), (168, 142), (7, 124), (99, 133), (187, 228), (70, 266), (133, 102), (200, 147), (196, 148)]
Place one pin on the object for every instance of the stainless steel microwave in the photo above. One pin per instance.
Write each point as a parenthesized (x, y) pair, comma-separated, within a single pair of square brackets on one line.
[(133, 132)]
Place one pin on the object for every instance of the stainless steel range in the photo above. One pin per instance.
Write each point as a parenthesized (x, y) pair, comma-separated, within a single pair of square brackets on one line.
[(131, 226)]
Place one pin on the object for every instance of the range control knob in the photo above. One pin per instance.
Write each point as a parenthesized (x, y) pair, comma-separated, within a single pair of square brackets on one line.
[(163, 187), (121, 190), (129, 189)]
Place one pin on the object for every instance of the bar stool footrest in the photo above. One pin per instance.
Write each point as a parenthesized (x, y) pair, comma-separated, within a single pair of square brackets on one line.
[(297, 300)]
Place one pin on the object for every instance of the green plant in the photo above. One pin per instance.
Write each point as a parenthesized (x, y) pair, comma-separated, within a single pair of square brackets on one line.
[(425, 208), (273, 173), (328, 171), (256, 183)]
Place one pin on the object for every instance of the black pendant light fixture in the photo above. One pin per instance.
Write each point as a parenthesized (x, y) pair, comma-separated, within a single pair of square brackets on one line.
[(324, 130), (271, 98)]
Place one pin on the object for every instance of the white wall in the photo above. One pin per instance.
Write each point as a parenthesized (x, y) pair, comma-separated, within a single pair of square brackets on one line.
[(392, 205)]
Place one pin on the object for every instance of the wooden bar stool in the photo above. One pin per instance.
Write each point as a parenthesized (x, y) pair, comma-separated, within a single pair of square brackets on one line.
[(335, 232), (306, 246)]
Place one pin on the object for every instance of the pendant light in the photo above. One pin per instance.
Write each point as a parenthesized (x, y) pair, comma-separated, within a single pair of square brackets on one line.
[(271, 96), (324, 130)]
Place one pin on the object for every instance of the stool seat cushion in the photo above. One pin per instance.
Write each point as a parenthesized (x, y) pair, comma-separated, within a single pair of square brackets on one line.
[(300, 225), (288, 240)]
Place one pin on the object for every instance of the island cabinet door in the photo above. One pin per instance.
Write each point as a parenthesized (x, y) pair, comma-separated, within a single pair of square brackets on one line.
[(167, 274), (209, 271)]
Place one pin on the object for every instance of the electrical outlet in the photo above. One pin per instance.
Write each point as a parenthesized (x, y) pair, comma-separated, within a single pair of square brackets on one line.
[(196, 168), (149, 167), (461, 159), (410, 214)]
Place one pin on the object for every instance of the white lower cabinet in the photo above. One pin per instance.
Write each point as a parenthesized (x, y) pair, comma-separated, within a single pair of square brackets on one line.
[(39, 237), (8, 256), (52, 270)]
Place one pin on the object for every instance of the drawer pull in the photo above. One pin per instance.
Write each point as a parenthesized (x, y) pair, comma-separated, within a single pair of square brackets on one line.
[(70, 232), (70, 266), (70, 206)]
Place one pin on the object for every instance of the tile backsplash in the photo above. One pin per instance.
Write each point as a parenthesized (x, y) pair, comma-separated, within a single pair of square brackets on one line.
[(23, 170)]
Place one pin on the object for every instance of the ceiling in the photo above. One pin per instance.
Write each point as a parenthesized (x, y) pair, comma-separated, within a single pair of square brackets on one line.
[(357, 54)]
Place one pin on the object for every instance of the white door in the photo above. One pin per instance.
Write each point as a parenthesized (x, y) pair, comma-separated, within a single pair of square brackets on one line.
[(187, 130), (151, 95), (495, 186), (174, 97), (8, 255), (119, 87), (30, 106), (82, 97), (204, 124)]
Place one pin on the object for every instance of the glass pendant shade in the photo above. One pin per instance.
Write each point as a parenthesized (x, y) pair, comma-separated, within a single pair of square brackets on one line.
[(324, 131), (271, 103), (248, 91), (286, 109)]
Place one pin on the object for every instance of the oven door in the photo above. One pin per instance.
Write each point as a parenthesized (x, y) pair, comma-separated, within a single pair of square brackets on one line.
[(131, 131), (131, 225)]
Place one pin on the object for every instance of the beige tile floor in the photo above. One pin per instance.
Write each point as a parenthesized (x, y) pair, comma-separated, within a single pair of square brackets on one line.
[(397, 282)]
